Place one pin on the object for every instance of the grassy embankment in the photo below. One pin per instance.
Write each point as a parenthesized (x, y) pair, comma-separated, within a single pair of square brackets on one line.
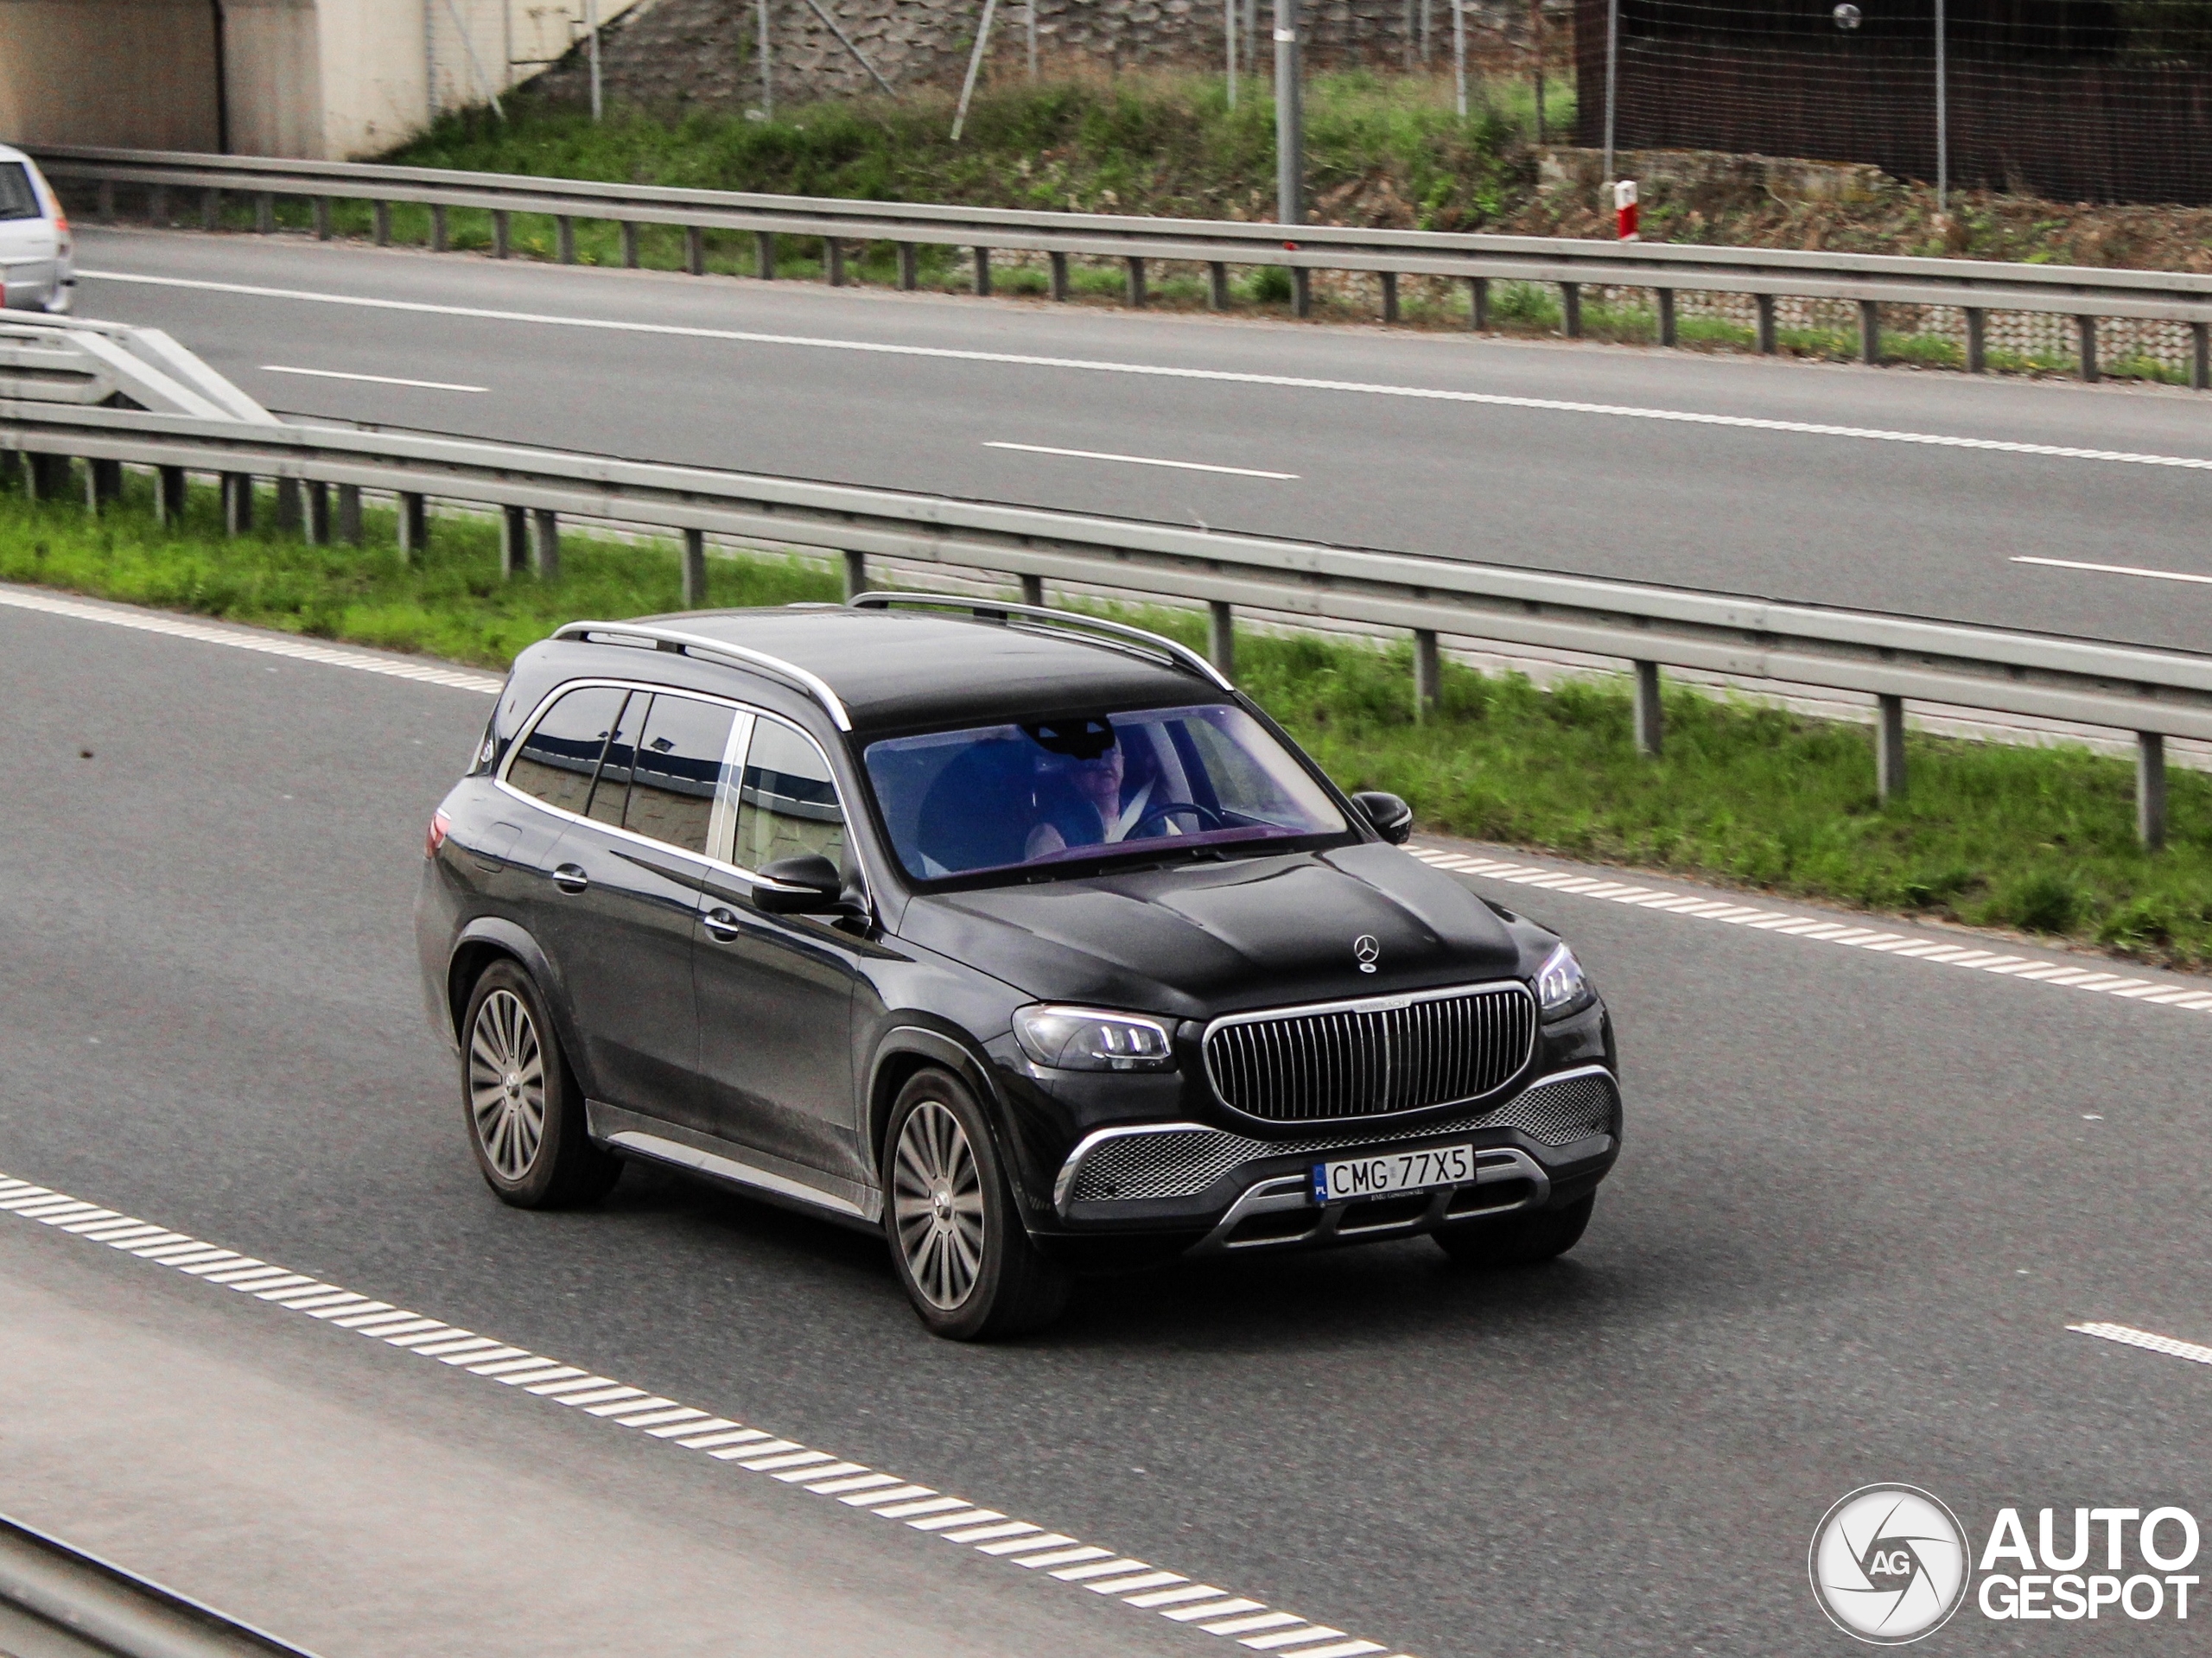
[(2038, 839)]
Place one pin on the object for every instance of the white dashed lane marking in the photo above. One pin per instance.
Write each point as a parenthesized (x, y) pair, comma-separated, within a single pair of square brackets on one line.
[(2127, 1336), (1822, 930), (1049, 1554)]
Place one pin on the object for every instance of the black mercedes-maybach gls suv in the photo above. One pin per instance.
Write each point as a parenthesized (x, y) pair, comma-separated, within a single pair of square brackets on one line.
[(1021, 935)]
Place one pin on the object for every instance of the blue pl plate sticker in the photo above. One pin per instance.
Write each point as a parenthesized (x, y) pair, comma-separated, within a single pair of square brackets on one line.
[(1321, 1183)]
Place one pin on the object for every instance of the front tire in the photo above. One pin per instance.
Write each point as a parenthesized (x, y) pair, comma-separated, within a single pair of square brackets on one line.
[(524, 1111), (957, 1242), (1518, 1239)]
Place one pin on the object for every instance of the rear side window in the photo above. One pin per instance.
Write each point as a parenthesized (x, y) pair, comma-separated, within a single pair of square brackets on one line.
[(559, 759), (787, 806), (677, 772), (18, 196), (610, 796)]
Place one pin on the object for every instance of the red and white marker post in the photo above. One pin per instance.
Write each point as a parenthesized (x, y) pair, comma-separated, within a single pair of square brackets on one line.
[(1624, 210)]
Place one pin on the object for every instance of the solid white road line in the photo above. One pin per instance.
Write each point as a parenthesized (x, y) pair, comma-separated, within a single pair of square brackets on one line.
[(1827, 933), (1139, 460), (373, 379), (1160, 371), (2111, 569), (2129, 1336), (818, 1473)]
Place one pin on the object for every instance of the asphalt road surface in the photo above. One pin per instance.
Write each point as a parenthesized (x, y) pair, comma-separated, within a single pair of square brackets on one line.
[(1914, 494), (1862, 1198)]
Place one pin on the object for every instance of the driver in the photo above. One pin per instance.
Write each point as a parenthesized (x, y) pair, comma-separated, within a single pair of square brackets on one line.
[(1081, 801)]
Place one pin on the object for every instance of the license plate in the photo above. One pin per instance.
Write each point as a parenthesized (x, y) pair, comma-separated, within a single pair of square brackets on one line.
[(1369, 1177)]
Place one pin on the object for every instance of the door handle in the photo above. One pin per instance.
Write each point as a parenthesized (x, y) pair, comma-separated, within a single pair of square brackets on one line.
[(723, 924), (570, 878)]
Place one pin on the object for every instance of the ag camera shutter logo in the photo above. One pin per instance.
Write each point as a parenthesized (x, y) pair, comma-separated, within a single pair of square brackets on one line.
[(1889, 1564)]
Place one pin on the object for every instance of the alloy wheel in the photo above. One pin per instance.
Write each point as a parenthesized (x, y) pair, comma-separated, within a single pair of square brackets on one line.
[(937, 1205), (506, 1084)]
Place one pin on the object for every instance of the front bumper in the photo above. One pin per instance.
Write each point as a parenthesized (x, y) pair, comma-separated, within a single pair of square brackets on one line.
[(1549, 1143)]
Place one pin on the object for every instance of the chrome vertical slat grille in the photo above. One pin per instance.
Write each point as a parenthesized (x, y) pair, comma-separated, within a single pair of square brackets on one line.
[(1374, 1058)]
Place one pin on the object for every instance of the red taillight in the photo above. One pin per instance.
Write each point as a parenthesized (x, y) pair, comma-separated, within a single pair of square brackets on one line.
[(441, 826), (61, 223)]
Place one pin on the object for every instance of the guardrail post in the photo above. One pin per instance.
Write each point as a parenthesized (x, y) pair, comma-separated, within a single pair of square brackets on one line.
[(238, 503), (1764, 305), (502, 233), (318, 511), (1389, 295), (1060, 274), (349, 514), (629, 244), (1428, 673), (157, 205), (414, 525), (1033, 590), (288, 512), (1570, 309), (2088, 325), (322, 218), (764, 255), (48, 478), (545, 544), (855, 576), (1136, 286), (2201, 365), (564, 239), (694, 569), (1648, 714), (694, 249), (1977, 339), (1889, 746), (984, 272), (437, 228), (108, 201), (2150, 789), (379, 223), (1666, 315), (833, 259), (11, 468), (1217, 286), (1221, 636), (910, 275), (1870, 330), (1478, 303), (514, 541), (102, 484), (169, 497), (1301, 291), (265, 213), (211, 210)]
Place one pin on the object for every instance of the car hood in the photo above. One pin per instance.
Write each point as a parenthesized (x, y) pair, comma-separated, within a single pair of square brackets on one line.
[(1193, 940)]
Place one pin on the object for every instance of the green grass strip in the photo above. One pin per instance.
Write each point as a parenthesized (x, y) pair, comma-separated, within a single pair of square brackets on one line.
[(2035, 838)]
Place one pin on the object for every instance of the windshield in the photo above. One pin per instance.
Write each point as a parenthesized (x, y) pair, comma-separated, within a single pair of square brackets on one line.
[(1161, 780)]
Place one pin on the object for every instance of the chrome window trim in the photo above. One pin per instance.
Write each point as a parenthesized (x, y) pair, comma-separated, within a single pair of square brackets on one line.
[(1383, 1004), (1074, 621), (699, 644)]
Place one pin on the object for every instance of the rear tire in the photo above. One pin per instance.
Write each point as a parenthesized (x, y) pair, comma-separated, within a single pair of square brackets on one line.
[(957, 1242), (525, 1110), (1518, 1239)]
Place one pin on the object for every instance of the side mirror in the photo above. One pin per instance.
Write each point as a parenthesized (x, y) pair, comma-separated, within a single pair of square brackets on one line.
[(803, 885), (1393, 819)]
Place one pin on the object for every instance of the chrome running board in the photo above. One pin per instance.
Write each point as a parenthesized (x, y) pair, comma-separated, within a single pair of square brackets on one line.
[(638, 1135)]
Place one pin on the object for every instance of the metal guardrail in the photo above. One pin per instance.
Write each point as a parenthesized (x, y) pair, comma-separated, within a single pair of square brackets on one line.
[(1870, 280), (58, 1601), (2156, 694), (66, 359)]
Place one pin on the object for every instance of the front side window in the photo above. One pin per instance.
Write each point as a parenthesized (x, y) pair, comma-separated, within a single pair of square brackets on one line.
[(559, 759), (787, 803), (1011, 796), (18, 196)]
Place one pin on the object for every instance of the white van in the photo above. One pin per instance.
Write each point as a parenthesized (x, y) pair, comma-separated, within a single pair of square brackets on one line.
[(37, 261)]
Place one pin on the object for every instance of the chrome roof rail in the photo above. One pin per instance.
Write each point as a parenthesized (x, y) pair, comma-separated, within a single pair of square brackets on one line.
[(697, 644), (999, 610)]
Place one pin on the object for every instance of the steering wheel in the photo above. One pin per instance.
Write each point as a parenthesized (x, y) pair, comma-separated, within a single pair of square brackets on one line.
[(1207, 816)]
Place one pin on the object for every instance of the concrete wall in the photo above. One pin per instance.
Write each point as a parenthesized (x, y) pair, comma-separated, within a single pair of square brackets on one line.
[(139, 73)]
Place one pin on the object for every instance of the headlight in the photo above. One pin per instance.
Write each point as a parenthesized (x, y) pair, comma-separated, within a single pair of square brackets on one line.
[(1079, 1038), (1559, 984)]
